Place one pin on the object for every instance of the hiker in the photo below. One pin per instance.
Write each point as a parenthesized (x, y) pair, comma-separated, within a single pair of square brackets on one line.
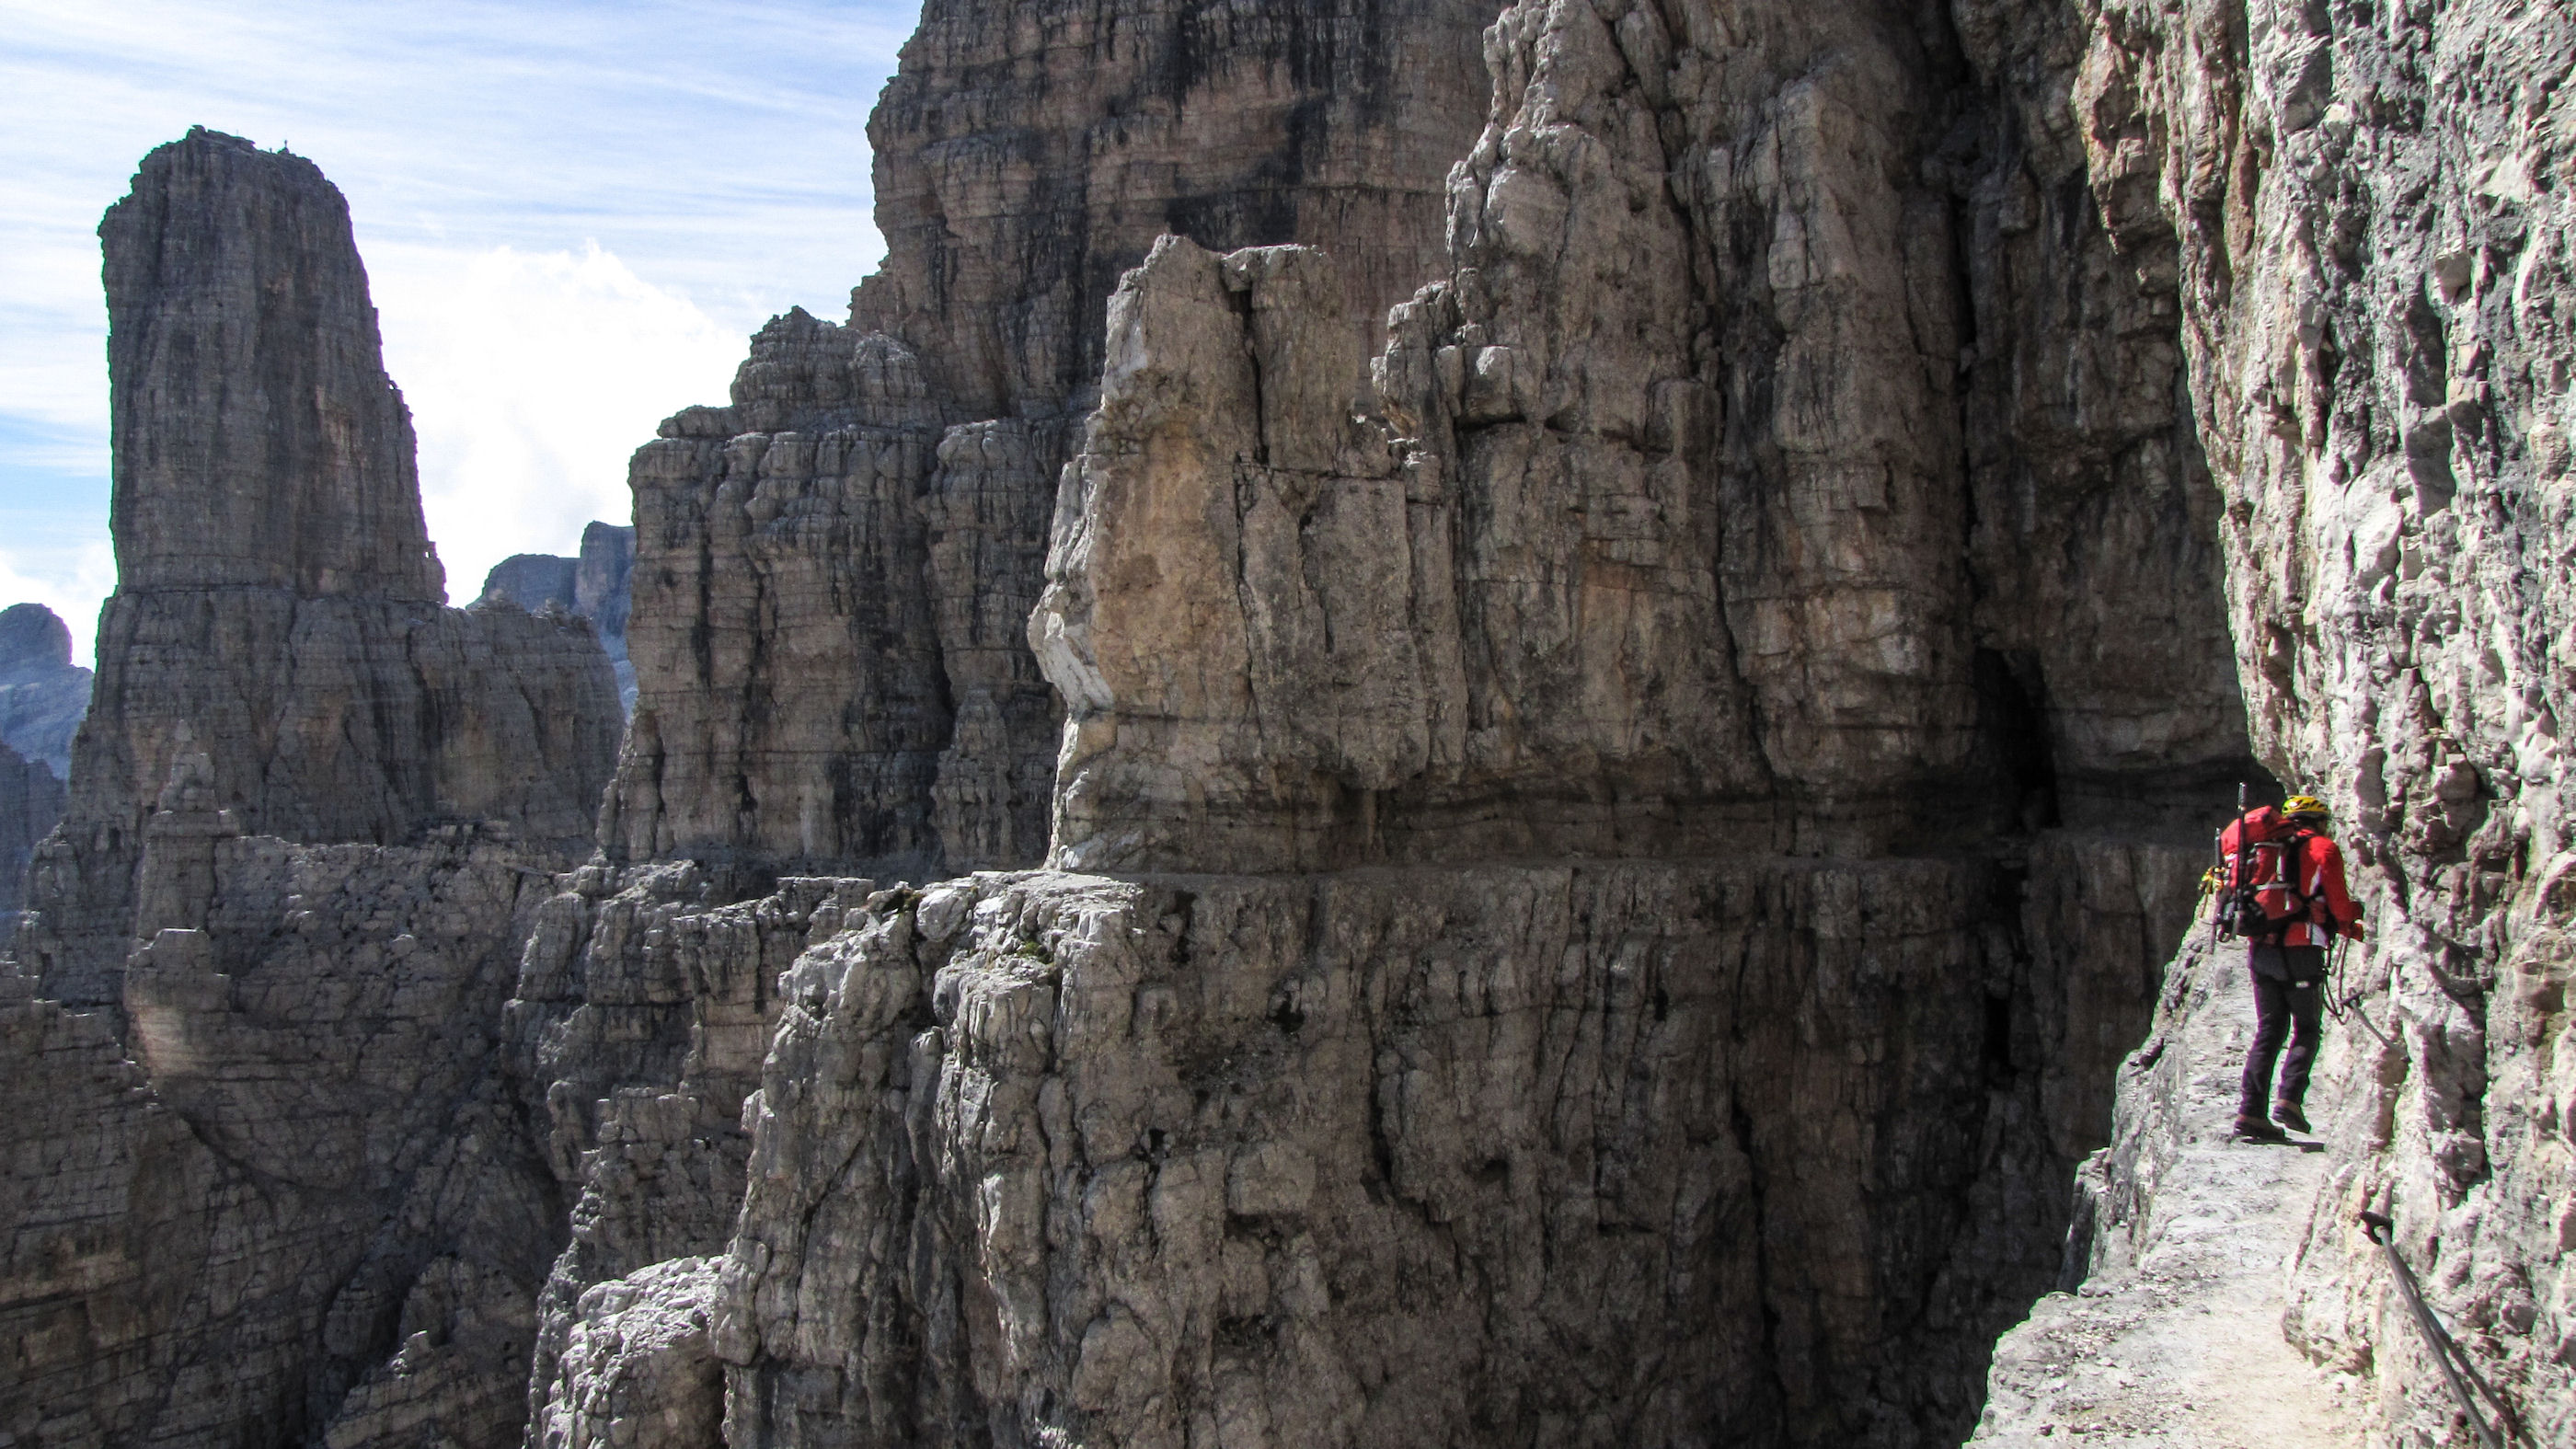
[(2289, 902)]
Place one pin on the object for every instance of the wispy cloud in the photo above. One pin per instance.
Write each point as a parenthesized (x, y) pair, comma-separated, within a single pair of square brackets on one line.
[(621, 190), (531, 378)]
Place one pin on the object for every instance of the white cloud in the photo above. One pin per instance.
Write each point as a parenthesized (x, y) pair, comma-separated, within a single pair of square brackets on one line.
[(532, 377), (70, 581), (714, 152)]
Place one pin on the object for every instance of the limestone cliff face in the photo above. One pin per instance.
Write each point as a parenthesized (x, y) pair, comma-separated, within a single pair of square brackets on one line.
[(296, 1203), (1642, 834), (1674, 547), (1676, 540), (259, 443), (882, 492), (276, 624), (2368, 216)]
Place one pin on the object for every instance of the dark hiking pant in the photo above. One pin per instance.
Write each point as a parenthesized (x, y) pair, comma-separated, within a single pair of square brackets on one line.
[(2289, 993)]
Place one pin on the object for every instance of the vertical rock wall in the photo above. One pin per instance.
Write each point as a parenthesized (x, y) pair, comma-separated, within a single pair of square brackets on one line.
[(42, 697), (1677, 540), (884, 489), (296, 1203), (31, 800), (277, 623), (2366, 212)]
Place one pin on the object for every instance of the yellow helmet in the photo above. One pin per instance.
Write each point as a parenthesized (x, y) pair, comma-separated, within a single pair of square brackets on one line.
[(2305, 807)]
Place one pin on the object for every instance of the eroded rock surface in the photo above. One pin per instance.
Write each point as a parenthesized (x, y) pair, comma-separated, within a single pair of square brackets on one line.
[(42, 697), (31, 800), (1345, 1159), (1674, 540), (297, 1201), (270, 1179), (834, 574), (637, 1371), (640, 1019)]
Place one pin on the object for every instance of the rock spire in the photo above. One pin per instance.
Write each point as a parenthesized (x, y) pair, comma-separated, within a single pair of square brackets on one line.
[(276, 636)]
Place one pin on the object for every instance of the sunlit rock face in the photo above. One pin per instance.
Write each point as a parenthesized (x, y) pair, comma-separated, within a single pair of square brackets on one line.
[(834, 574), (1782, 505), (2367, 217)]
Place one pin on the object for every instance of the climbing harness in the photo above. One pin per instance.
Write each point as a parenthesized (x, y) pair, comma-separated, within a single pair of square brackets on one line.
[(2454, 1361)]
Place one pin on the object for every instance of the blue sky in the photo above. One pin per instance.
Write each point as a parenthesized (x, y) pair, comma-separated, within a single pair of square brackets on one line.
[(572, 215)]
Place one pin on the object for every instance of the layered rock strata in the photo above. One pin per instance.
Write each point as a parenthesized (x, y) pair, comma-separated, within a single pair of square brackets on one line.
[(593, 584), (1673, 546), (1344, 1159), (1677, 546), (834, 573), (42, 693), (277, 623), (1675, 539), (640, 1019)]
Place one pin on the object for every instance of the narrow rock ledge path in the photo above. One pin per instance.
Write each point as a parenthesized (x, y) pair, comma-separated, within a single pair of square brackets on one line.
[(2177, 1341)]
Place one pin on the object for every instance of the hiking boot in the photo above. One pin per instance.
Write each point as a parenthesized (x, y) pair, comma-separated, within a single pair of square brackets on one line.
[(2259, 1128), (2289, 1115)]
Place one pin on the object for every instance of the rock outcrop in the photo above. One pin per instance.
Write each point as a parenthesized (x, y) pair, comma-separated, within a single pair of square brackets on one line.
[(277, 626), (592, 585), (1676, 540), (834, 573), (1672, 549), (42, 693)]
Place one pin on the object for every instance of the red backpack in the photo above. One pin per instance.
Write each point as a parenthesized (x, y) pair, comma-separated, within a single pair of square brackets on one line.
[(2261, 898)]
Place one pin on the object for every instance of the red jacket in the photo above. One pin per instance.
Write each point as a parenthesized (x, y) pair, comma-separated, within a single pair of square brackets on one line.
[(2330, 908)]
